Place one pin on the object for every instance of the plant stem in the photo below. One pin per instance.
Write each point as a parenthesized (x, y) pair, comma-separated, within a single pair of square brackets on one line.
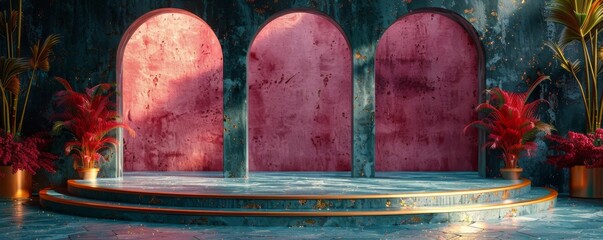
[(33, 76), (588, 113), (593, 67), (5, 109), (19, 31), (3, 112), (7, 41), (13, 114), (590, 89)]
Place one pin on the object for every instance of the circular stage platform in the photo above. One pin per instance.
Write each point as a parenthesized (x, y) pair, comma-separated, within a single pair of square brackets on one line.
[(300, 198)]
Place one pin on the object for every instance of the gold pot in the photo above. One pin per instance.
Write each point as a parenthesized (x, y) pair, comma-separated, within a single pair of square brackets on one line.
[(14, 186), (586, 182), (88, 173), (511, 173)]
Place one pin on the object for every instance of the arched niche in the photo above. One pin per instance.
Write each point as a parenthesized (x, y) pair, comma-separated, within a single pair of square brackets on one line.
[(170, 79), (428, 79), (299, 73)]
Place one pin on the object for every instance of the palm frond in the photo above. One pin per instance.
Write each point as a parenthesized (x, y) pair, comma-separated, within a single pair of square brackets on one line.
[(593, 11), (8, 20), (558, 53), (9, 68), (14, 86), (40, 53), (535, 84), (564, 12), (579, 18)]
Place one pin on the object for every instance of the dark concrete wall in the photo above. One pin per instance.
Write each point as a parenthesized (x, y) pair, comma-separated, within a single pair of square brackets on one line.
[(512, 32)]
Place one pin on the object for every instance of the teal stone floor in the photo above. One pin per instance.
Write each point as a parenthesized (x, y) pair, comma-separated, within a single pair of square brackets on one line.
[(570, 219), (298, 183)]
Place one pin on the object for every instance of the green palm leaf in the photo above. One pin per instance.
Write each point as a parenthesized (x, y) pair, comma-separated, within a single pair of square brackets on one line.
[(580, 18)]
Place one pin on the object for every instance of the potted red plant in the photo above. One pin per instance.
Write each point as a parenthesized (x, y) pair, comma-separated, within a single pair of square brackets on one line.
[(21, 155), (89, 117), (512, 125), (583, 155), (24, 156)]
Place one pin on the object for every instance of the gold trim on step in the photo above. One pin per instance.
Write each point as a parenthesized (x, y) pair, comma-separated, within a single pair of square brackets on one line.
[(343, 213)]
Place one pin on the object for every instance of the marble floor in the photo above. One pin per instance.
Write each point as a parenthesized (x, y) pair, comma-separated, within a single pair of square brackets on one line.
[(297, 183), (571, 219)]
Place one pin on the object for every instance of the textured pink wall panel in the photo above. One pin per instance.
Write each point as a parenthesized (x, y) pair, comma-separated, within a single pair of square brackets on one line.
[(426, 89), (172, 95), (300, 93)]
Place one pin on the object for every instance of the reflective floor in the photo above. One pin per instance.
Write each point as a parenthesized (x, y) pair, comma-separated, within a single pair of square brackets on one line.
[(298, 183), (571, 219)]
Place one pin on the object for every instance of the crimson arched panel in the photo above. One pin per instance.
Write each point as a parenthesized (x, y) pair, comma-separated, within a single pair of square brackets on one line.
[(427, 84), (300, 95), (170, 69)]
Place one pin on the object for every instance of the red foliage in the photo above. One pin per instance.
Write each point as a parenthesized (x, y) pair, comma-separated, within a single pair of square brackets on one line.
[(512, 123), (577, 149), (89, 117), (27, 154)]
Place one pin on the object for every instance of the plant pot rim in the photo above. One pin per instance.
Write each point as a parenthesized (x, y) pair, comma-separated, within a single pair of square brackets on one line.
[(88, 169), (582, 166), (512, 169)]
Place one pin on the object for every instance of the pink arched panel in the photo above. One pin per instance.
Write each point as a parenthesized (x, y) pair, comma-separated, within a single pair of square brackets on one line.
[(300, 96), (426, 86), (171, 76)]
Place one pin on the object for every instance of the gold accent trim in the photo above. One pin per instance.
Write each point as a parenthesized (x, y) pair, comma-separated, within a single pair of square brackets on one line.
[(343, 213), (72, 183)]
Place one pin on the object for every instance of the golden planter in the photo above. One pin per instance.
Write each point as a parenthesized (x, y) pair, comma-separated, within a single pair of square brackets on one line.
[(511, 173), (14, 186), (586, 182), (88, 173)]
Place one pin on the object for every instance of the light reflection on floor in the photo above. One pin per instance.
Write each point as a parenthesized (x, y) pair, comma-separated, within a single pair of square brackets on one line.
[(571, 219)]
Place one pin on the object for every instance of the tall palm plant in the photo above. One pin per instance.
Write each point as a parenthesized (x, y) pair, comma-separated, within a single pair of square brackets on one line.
[(582, 21), (13, 65)]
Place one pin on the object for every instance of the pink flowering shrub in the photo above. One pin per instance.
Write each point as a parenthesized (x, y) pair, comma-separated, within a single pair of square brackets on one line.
[(27, 154), (577, 149)]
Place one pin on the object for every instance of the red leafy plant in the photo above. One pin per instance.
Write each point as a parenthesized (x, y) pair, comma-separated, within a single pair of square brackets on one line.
[(26, 154), (89, 117), (577, 149), (511, 122)]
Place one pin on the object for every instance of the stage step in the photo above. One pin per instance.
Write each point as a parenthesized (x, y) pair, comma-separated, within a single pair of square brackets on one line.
[(536, 200), (301, 191)]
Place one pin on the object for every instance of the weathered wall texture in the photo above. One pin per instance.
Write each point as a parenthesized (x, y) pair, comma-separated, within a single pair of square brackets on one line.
[(172, 95), (426, 90), (512, 32), (300, 96)]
